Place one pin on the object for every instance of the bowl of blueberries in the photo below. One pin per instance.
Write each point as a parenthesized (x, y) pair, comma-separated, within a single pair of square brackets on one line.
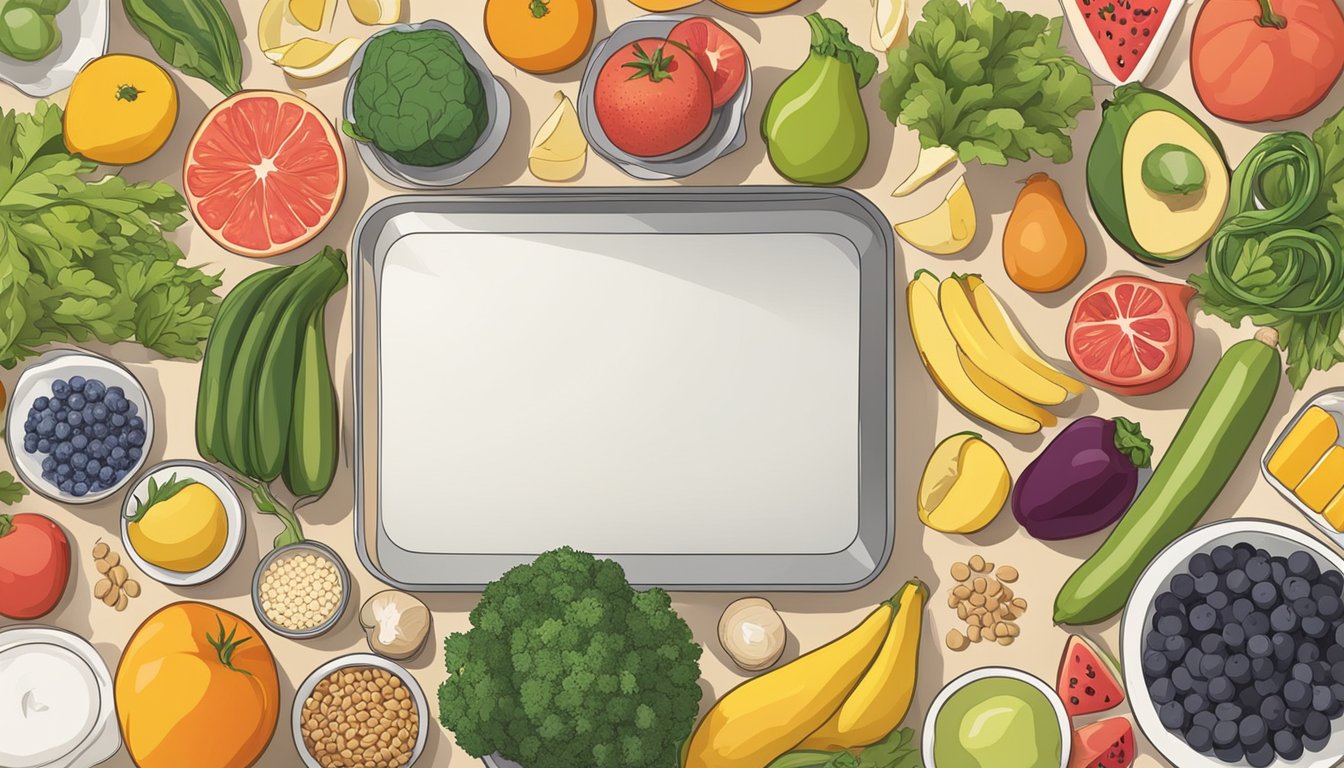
[(1233, 648), (79, 426)]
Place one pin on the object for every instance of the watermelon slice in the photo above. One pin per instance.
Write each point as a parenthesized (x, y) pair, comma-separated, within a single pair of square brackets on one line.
[(1121, 39), (1087, 682), (1107, 743)]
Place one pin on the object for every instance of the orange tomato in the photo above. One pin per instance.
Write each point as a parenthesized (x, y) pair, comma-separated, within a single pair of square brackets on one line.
[(197, 687), (540, 36)]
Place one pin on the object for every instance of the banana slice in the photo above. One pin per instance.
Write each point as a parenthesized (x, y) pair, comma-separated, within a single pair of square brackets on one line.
[(987, 354), (938, 350), (948, 229), (302, 57), (891, 25), (375, 12), (559, 149), (1006, 333)]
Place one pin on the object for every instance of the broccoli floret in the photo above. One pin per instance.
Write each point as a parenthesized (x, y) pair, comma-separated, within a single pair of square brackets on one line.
[(567, 665)]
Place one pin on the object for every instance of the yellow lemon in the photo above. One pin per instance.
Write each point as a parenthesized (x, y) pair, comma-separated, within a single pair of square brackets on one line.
[(121, 110), (965, 484), (179, 526)]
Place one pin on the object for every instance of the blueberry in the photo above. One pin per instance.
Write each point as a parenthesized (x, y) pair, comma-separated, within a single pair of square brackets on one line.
[(1262, 668), (1262, 756), (44, 445), (1167, 602), (1308, 653), (1297, 694), (62, 470), (1315, 627), (1182, 679), (1175, 648), (118, 406), (99, 413), (1206, 584), (80, 488), (105, 475), (1199, 738), (1278, 569), (80, 476), (1249, 698), (1305, 606), (1203, 617), (117, 420), (74, 418), (1234, 636), (101, 431), (117, 453), (1224, 734), (1228, 754), (1334, 578), (1284, 649), (1194, 703), (1317, 725), (1201, 564), (79, 442), (1161, 690), (77, 401), (1171, 625), (1264, 595), (1259, 646), (1304, 565), (96, 449), (77, 383), (63, 451), (135, 422), (1321, 698), (67, 486), (30, 443), (1238, 668), (46, 427), (1320, 673), (1228, 711), (1257, 623), (1257, 568), (1272, 709), (1218, 600), (1238, 583), (1192, 660), (1155, 664), (1211, 665), (41, 402), (60, 388), (1302, 673), (137, 439), (49, 464), (1212, 643), (78, 460), (1221, 690), (1251, 730), (95, 390), (1296, 588), (1296, 717), (1155, 641), (133, 454), (1172, 715), (1288, 745)]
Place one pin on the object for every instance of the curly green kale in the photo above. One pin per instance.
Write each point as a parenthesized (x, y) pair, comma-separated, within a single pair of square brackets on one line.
[(417, 98), (566, 665)]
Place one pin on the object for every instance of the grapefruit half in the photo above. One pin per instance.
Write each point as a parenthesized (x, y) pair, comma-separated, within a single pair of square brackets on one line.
[(264, 174), (1132, 334)]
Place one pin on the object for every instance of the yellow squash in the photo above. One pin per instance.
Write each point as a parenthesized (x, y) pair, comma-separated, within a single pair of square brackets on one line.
[(763, 718), (1306, 443), (121, 110), (879, 702), (179, 526)]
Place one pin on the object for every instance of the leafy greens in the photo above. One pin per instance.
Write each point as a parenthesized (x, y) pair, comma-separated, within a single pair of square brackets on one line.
[(1277, 259), (195, 36), (85, 258), (897, 750), (990, 83)]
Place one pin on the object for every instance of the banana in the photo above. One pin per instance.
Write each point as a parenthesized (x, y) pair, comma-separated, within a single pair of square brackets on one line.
[(272, 409), (240, 392), (938, 349), (998, 391), (235, 316), (879, 702), (988, 355), (310, 452), (1003, 330), (763, 718)]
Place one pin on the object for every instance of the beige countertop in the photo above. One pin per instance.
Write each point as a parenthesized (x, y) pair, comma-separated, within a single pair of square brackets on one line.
[(776, 44)]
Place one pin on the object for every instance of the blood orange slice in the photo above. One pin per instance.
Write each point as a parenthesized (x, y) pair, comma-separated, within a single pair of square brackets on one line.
[(1132, 334), (264, 173)]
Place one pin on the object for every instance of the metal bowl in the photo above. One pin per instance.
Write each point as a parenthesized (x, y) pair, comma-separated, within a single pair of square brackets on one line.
[(36, 381), (233, 510), (1332, 402), (303, 547), (385, 167), (726, 133), (359, 660)]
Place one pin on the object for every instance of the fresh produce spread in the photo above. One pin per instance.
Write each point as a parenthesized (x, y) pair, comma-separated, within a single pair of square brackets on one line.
[(1082, 262)]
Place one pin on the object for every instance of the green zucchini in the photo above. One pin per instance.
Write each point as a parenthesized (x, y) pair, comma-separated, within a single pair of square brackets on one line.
[(1207, 449)]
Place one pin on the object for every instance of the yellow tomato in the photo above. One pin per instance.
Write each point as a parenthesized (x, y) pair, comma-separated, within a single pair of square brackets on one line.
[(121, 110), (182, 533)]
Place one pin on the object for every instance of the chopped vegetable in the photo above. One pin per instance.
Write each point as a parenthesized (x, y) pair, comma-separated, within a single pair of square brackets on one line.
[(196, 37), (991, 83), (566, 665), (899, 750), (85, 258)]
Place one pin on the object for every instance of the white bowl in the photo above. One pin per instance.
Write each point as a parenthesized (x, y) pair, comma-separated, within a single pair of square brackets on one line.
[(1332, 401), (36, 380), (1272, 537), (986, 673), (233, 511), (360, 660), (84, 32), (102, 739)]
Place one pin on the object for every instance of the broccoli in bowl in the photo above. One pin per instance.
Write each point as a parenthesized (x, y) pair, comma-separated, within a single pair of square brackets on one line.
[(567, 665), (418, 99)]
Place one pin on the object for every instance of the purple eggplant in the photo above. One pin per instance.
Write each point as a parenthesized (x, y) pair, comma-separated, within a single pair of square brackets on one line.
[(1084, 480)]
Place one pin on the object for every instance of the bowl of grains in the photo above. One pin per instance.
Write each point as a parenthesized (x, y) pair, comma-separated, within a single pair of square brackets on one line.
[(300, 591), (360, 711)]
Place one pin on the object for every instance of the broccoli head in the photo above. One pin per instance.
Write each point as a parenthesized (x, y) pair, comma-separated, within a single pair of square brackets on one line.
[(566, 665)]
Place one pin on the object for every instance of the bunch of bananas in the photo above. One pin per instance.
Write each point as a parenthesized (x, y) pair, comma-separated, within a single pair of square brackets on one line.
[(979, 359), (266, 407), (847, 694)]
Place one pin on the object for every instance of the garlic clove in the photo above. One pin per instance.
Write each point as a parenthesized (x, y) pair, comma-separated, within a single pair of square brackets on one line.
[(395, 623), (752, 633)]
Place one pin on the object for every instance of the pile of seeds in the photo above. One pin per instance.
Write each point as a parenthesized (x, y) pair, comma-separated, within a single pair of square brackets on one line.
[(985, 602), (115, 588), (360, 717), (301, 592)]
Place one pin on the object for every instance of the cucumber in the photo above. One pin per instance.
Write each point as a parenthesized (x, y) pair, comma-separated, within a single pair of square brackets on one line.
[(310, 458), (1207, 449)]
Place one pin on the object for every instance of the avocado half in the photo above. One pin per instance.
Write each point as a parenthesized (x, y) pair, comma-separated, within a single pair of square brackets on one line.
[(1156, 226)]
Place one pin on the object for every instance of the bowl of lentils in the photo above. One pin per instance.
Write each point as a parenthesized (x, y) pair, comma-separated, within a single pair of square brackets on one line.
[(1233, 648), (360, 711), (79, 426), (301, 590)]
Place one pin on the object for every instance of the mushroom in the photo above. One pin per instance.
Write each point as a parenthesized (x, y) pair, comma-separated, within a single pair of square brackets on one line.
[(396, 624), (752, 633)]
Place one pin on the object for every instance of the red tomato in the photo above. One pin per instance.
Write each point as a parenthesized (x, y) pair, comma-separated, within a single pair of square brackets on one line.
[(34, 565), (652, 98), (717, 52), (1132, 334), (1253, 63)]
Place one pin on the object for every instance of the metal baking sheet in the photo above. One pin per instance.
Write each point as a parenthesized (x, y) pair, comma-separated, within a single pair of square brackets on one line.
[(695, 382)]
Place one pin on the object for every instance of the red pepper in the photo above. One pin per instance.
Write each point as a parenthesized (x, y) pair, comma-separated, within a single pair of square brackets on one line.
[(34, 565)]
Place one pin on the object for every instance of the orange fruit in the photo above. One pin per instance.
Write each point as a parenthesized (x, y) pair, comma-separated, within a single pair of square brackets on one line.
[(540, 36), (264, 173)]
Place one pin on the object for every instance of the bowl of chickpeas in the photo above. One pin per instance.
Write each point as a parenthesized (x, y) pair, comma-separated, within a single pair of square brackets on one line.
[(360, 711), (301, 590)]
